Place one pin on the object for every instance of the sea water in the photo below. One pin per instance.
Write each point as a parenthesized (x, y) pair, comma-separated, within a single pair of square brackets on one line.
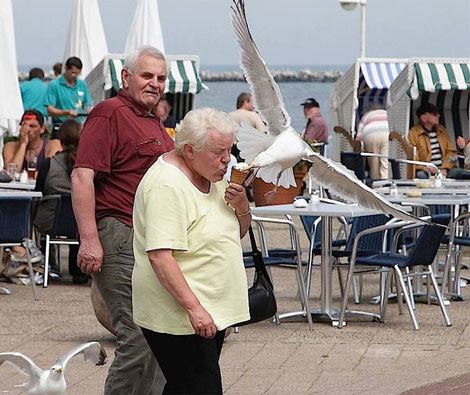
[(223, 95)]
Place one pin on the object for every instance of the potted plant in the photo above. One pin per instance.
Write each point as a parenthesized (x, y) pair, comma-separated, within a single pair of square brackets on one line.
[(283, 195)]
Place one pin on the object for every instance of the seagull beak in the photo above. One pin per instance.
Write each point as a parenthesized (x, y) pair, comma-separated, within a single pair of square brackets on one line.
[(59, 370)]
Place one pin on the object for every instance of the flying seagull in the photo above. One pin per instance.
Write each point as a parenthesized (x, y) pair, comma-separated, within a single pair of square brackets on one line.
[(52, 381), (274, 154)]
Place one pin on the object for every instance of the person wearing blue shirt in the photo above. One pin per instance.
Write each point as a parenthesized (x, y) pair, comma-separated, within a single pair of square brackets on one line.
[(33, 91), (67, 96)]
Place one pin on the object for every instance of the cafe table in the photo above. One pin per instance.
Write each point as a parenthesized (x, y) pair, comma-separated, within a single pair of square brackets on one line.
[(24, 186), (16, 193), (327, 212), (447, 189), (446, 182)]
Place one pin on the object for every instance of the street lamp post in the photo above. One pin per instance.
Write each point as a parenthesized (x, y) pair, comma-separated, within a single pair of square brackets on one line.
[(349, 5)]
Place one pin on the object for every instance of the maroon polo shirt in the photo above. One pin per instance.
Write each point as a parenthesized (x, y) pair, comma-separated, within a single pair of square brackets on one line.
[(120, 142)]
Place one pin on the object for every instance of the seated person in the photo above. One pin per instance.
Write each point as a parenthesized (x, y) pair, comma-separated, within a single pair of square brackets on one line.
[(463, 148), (31, 138), (245, 112), (169, 121), (433, 144), (54, 179)]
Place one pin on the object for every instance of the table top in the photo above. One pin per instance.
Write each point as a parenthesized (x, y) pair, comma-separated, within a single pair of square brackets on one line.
[(448, 189), (25, 186), (16, 193), (446, 182), (321, 210), (430, 199)]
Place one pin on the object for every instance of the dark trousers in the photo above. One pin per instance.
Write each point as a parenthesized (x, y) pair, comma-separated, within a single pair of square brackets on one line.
[(189, 363)]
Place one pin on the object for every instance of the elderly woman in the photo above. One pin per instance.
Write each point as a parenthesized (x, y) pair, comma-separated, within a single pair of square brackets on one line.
[(189, 282)]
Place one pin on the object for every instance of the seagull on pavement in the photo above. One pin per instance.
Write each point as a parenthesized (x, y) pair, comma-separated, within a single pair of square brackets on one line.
[(274, 154), (52, 381)]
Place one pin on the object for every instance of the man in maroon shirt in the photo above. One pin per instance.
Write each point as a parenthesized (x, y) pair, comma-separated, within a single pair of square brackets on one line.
[(121, 139), (316, 129)]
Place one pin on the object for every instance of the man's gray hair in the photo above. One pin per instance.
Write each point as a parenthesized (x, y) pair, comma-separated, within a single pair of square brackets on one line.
[(193, 128), (132, 60)]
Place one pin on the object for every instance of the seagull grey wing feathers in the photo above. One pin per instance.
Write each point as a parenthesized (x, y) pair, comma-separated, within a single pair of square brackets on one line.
[(93, 352), (21, 363), (344, 182), (266, 93)]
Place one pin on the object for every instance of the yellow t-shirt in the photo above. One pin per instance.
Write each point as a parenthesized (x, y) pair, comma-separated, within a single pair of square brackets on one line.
[(204, 234)]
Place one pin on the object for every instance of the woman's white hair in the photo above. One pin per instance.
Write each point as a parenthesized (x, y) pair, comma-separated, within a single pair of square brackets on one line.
[(193, 128), (132, 60)]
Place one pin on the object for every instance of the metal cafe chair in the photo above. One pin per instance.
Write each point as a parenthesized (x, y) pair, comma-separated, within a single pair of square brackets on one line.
[(422, 254), (342, 248), (287, 259), (15, 215), (459, 237), (64, 230)]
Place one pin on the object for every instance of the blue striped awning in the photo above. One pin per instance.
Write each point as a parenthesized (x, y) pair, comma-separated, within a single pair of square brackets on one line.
[(183, 76), (375, 78), (380, 75)]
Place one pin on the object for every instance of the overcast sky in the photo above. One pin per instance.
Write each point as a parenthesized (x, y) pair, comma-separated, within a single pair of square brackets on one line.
[(290, 32)]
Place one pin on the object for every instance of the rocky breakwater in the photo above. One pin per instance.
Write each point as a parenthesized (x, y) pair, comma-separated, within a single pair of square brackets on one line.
[(279, 75)]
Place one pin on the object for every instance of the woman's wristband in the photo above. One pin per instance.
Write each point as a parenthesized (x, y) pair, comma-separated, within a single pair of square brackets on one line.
[(243, 214)]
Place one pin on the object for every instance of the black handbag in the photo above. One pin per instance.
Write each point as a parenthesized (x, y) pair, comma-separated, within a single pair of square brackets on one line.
[(261, 294), (4, 176)]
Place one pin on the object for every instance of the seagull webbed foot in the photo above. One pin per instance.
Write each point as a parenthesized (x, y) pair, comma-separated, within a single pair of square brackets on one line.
[(269, 196)]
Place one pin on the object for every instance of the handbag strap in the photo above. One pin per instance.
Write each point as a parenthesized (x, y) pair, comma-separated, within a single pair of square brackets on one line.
[(258, 257)]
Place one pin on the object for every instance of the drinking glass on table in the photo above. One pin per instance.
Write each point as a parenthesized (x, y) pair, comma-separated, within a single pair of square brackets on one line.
[(31, 161), (12, 169)]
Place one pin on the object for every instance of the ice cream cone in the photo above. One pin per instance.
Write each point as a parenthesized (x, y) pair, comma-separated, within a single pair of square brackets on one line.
[(238, 176)]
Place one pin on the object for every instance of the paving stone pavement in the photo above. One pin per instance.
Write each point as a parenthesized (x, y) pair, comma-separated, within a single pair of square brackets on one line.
[(362, 358)]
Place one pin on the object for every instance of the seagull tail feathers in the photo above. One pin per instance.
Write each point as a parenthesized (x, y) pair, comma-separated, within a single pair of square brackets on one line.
[(270, 173)]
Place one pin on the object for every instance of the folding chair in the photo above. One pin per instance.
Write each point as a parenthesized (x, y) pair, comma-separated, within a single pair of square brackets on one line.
[(15, 213), (64, 231), (288, 259), (459, 237), (422, 254)]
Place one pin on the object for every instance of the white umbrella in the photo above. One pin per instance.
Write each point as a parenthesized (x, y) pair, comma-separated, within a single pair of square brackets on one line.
[(11, 106), (86, 39), (145, 28)]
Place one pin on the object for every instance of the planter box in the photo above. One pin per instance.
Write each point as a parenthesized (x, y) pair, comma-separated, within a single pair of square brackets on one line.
[(283, 195)]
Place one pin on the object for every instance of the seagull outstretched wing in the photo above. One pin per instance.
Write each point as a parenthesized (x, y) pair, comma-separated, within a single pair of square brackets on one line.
[(265, 90), (342, 181), (22, 363), (92, 352)]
